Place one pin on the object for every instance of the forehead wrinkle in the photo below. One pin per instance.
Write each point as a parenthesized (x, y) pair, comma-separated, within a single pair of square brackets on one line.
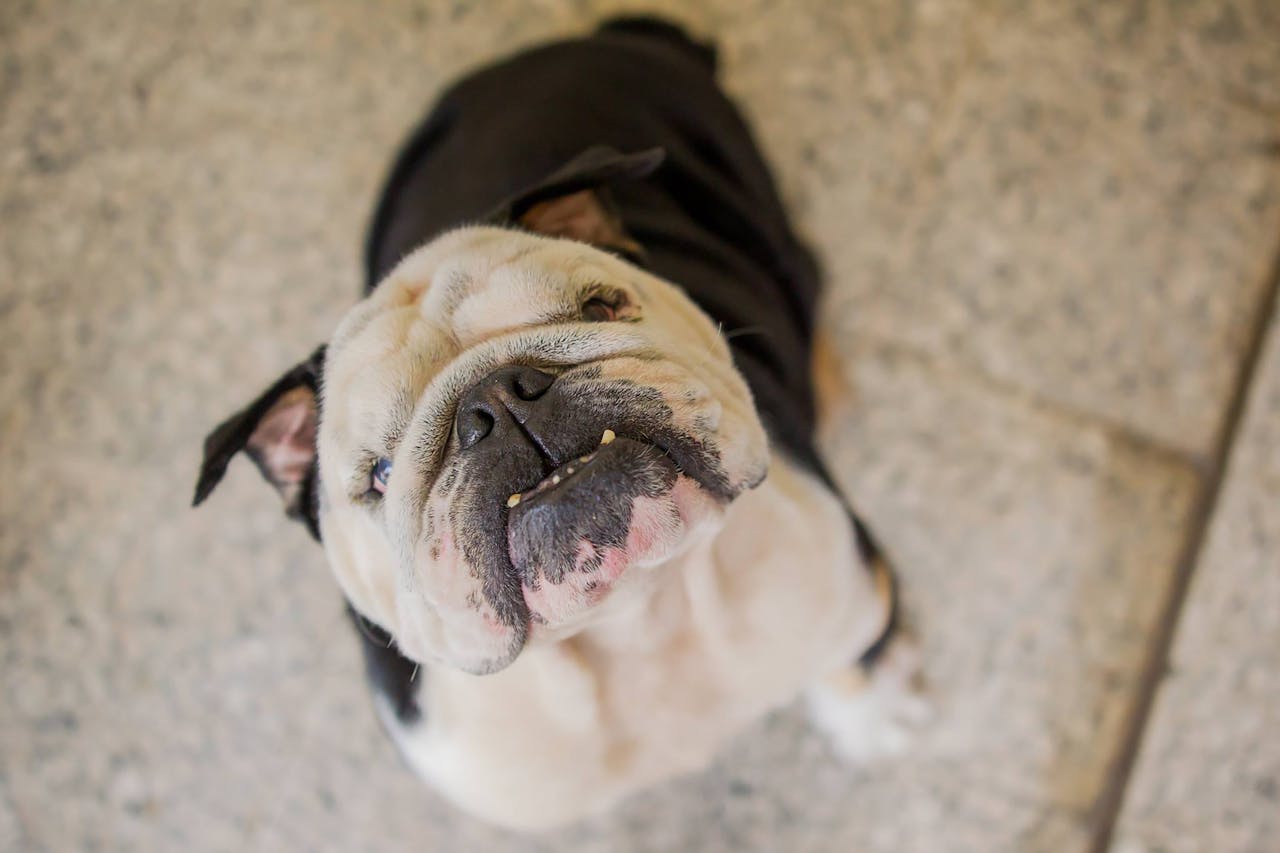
[(357, 319), (514, 296), (458, 285), (394, 428), (467, 279), (518, 255), (429, 356), (382, 375)]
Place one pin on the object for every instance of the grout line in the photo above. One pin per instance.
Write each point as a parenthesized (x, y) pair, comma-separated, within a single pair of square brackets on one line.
[(1107, 806), (1116, 429)]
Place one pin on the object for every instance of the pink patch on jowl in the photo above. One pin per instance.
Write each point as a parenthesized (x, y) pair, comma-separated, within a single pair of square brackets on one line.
[(552, 603), (656, 527), (457, 591), (585, 554), (658, 523), (647, 517), (581, 587)]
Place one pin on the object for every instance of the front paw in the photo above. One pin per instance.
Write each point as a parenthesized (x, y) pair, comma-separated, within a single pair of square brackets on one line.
[(875, 713)]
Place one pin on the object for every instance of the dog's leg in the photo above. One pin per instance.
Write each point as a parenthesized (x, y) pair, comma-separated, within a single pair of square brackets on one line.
[(873, 708)]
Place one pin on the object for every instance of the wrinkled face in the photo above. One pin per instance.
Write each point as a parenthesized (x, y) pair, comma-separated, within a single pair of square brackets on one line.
[(515, 429)]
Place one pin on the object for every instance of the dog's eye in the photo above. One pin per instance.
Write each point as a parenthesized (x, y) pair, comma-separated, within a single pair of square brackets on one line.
[(596, 310), (381, 473)]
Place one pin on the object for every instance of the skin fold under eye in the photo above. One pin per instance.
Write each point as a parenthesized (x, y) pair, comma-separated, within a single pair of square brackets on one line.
[(380, 475)]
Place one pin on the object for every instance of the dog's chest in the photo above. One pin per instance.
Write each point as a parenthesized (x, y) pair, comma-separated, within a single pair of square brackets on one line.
[(776, 600)]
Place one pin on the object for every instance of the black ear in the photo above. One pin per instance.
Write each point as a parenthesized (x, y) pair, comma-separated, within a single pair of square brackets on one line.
[(278, 431), (574, 201)]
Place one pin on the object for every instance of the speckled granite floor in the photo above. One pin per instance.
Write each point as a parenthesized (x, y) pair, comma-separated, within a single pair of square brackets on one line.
[(1051, 231)]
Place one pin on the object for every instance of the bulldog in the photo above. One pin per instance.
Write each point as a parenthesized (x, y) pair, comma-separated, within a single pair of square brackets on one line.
[(560, 457)]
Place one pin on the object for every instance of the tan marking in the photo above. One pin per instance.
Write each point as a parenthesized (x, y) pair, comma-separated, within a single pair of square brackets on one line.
[(884, 589), (848, 680), (831, 387)]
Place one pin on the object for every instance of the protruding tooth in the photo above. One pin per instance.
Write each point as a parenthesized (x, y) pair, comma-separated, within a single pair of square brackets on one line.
[(570, 471), (608, 437), (555, 481), (584, 459), (513, 500)]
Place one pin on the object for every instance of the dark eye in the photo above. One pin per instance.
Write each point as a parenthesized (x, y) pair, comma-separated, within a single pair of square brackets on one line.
[(381, 473), (596, 310)]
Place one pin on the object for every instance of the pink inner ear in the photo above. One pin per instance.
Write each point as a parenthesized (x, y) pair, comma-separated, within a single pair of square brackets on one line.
[(579, 216), (284, 443)]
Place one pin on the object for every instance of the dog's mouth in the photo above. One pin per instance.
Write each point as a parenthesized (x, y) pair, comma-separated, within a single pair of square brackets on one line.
[(561, 474), (609, 456), (551, 498), (573, 532)]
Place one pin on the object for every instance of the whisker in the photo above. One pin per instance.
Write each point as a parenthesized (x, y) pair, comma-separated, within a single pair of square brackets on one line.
[(745, 330)]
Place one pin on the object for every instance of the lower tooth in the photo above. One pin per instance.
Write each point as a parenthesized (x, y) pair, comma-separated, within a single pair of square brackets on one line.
[(513, 500), (555, 481)]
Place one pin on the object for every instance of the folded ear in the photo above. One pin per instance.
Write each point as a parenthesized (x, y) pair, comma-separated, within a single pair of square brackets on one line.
[(574, 201), (587, 215), (278, 431)]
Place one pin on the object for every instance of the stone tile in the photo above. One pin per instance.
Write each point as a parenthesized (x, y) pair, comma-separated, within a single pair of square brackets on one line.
[(192, 682), (1208, 774), (846, 132), (1034, 551), (1227, 45), (11, 836), (182, 196), (1232, 44), (1090, 218)]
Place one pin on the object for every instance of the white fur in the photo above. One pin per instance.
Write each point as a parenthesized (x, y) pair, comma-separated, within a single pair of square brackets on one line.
[(465, 304), (872, 716), (742, 622), (737, 612)]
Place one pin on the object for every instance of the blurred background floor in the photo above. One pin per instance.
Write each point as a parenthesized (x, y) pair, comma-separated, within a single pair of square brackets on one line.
[(1051, 232)]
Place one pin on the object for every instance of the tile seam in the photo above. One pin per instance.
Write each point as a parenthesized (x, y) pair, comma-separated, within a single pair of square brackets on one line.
[(1110, 801), (1119, 431)]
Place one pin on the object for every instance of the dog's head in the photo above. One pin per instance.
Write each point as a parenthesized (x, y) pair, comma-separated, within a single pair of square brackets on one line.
[(513, 427)]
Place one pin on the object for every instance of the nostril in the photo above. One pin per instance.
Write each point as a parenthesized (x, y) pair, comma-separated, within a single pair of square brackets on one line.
[(508, 395), (531, 384), (473, 425)]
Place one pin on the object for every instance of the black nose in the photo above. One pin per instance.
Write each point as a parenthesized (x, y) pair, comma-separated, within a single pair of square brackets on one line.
[(506, 397)]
